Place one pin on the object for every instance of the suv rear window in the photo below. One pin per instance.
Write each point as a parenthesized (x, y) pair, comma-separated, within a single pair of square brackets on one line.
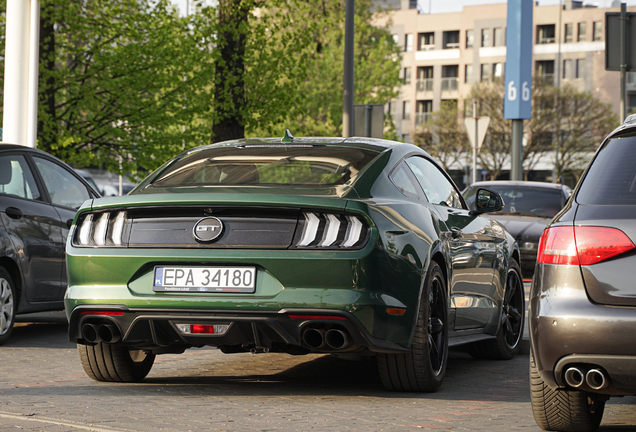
[(267, 164), (611, 179)]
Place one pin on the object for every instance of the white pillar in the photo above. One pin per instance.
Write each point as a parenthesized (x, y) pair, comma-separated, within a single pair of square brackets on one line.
[(19, 122)]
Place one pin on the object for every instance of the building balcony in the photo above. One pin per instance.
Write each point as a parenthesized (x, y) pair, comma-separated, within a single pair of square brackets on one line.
[(425, 84), (450, 84), (422, 117)]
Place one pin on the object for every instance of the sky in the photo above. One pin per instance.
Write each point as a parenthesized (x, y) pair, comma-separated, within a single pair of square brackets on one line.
[(443, 6)]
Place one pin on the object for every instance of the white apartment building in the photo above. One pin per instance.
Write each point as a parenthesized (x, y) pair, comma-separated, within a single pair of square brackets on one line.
[(445, 54)]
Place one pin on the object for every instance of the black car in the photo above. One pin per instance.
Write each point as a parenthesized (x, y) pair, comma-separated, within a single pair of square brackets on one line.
[(528, 207), (39, 196), (583, 297)]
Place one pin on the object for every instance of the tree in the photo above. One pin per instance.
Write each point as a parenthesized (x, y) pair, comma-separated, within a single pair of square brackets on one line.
[(444, 137), (376, 67), (495, 150), (575, 123), (121, 82)]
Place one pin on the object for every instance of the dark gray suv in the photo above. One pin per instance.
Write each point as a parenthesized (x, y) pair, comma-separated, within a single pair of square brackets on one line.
[(583, 298), (39, 196)]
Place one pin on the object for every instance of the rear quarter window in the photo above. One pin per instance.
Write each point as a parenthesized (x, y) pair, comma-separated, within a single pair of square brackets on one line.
[(611, 179)]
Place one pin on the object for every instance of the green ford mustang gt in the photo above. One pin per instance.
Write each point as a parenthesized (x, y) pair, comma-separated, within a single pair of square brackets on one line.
[(356, 247)]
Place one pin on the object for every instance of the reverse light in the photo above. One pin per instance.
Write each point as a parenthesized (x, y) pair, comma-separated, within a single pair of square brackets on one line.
[(581, 245), (209, 329)]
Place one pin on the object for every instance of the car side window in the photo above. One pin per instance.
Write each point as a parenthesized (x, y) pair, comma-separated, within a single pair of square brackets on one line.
[(402, 180), (438, 189), (64, 188), (16, 178)]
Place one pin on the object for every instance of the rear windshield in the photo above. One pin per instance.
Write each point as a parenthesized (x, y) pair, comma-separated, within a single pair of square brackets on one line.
[(524, 200), (611, 179), (266, 165)]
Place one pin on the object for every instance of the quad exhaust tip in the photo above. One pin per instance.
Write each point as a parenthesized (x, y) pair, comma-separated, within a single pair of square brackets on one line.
[(595, 378), (574, 377), (107, 333)]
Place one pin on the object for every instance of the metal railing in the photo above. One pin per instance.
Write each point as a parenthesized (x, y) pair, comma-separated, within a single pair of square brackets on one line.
[(449, 84), (426, 47), (425, 84), (546, 40), (422, 117), (451, 45)]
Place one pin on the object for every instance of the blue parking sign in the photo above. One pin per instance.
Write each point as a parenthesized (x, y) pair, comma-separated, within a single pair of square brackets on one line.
[(518, 91)]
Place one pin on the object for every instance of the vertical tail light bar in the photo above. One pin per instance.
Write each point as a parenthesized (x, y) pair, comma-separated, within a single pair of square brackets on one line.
[(330, 230), (101, 227), (118, 228), (85, 230)]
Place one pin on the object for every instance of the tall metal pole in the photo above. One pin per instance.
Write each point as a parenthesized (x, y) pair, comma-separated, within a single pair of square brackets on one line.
[(623, 47), (475, 141), (516, 172), (347, 113)]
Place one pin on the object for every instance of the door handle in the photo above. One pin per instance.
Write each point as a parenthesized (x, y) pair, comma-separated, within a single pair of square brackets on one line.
[(14, 212), (455, 232)]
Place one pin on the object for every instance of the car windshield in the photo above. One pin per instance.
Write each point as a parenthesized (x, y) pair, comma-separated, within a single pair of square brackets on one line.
[(524, 200), (266, 164)]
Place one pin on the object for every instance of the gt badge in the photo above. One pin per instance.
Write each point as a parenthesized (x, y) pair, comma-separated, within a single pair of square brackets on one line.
[(207, 229)]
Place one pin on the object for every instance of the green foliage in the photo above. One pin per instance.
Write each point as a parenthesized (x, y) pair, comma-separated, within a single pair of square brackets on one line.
[(443, 136), (318, 110)]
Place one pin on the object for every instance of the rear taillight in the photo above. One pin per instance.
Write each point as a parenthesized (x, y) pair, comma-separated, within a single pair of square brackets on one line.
[(330, 230), (101, 229), (581, 245)]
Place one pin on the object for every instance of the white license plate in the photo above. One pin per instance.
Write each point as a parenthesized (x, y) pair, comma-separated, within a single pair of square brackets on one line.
[(205, 279)]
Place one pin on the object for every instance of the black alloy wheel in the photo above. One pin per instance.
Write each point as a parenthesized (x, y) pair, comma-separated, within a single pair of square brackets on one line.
[(422, 369), (507, 343)]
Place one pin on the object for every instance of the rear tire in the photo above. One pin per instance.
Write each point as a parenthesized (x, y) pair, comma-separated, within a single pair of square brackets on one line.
[(8, 306), (423, 369), (563, 410), (115, 363), (508, 341)]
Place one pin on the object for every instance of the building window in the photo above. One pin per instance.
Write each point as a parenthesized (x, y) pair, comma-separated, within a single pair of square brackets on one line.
[(426, 41), (567, 69), (499, 38), (468, 75), (406, 110), (406, 138), (408, 42), (396, 39), (450, 74), (425, 78), (545, 34), (578, 71), (484, 73), (598, 31), (407, 75), (485, 37), (450, 39), (567, 34), (545, 71), (497, 70), (582, 28), (470, 38), (423, 111)]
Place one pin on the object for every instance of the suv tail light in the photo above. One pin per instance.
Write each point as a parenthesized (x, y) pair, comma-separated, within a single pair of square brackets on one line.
[(581, 245)]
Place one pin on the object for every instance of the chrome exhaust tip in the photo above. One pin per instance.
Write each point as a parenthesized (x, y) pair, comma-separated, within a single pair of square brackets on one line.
[(596, 379), (574, 377)]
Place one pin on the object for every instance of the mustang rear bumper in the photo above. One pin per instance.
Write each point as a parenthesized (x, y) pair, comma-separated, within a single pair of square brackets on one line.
[(296, 331)]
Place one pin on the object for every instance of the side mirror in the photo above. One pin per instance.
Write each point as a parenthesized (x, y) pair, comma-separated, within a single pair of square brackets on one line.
[(487, 201)]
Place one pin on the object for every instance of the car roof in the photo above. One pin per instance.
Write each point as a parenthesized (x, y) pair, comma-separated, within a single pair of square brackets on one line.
[(521, 183)]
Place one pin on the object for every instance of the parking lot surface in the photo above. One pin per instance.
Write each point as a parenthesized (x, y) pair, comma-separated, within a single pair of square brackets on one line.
[(43, 388)]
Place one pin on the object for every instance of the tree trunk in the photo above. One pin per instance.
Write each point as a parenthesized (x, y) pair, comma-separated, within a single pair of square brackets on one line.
[(47, 121), (229, 81)]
